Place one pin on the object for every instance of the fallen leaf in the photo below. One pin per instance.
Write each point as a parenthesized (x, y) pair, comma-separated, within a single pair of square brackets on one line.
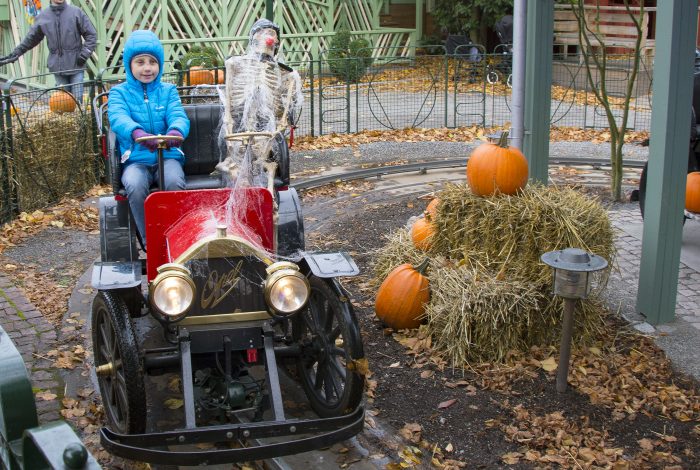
[(46, 396), (173, 403), (511, 458), (548, 364), (446, 404)]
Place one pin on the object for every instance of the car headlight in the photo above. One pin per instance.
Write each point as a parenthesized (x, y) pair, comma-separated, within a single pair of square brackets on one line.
[(286, 289), (172, 291)]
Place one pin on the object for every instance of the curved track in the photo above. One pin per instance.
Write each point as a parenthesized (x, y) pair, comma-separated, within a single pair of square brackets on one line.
[(423, 167)]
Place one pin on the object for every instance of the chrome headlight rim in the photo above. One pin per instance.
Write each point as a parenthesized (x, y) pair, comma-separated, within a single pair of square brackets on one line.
[(278, 271), (165, 272)]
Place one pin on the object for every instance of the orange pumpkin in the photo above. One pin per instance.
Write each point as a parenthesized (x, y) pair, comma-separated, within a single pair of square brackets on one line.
[(402, 296), (200, 76), (422, 234), (431, 210), (219, 76), (496, 168), (61, 102), (692, 191)]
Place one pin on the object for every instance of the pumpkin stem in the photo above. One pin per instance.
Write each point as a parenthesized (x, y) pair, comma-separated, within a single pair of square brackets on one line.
[(423, 266), (503, 141)]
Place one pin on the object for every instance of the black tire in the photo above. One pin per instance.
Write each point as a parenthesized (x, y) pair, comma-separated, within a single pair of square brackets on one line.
[(114, 341), (133, 299), (643, 191), (329, 335), (492, 77)]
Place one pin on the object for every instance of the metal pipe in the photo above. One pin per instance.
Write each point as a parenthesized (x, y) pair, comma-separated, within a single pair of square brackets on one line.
[(519, 46), (269, 10), (567, 329), (153, 363)]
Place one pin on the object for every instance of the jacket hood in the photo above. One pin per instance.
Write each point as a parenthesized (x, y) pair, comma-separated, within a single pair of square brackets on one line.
[(143, 42)]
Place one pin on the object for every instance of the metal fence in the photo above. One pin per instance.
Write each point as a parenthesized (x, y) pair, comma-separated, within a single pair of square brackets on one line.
[(49, 154)]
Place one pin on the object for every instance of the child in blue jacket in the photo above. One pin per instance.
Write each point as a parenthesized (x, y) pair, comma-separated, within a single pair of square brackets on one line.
[(144, 106)]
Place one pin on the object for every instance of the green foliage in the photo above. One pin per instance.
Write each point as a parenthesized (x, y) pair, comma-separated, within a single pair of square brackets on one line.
[(430, 45), (200, 56), (468, 16), (349, 59)]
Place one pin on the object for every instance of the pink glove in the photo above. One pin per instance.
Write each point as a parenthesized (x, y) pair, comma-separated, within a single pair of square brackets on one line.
[(173, 142), (151, 145)]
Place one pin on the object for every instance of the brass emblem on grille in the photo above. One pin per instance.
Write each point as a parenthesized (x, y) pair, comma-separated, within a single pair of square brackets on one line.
[(218, 286)]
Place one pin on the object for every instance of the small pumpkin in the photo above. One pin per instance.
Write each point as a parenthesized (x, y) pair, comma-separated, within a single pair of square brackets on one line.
[(422, 233), (692, 191), (200, 76), (61, 101), (496, 168), (219, 76), (402, 296), (431, 210)]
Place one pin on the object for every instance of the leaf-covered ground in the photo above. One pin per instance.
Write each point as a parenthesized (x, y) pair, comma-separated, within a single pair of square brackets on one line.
[(625, 407)]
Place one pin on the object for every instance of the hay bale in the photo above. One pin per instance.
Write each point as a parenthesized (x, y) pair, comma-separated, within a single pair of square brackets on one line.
[(490, 293), (508, 234), (53, 156)]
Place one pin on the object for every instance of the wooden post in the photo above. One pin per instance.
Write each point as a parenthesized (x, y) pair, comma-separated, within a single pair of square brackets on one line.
[(668, 154), (538, 84)]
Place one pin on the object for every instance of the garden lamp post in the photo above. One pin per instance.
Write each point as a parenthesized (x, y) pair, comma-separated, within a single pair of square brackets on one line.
[(572, 281)]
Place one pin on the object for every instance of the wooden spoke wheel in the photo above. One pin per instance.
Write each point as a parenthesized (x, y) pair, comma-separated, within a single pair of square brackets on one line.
[(118, 364), (329, 337)]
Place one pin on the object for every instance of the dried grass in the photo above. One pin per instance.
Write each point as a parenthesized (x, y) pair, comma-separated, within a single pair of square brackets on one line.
[(53, 157), (490, 293)]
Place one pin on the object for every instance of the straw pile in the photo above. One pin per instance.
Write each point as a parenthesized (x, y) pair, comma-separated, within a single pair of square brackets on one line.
[(53, 156), (490, 293)]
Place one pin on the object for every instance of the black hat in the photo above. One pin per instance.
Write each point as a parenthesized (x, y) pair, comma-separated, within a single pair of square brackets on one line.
[(264, 23)]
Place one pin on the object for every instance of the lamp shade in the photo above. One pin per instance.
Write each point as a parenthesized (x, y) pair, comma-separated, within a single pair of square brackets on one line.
[(572, 269)]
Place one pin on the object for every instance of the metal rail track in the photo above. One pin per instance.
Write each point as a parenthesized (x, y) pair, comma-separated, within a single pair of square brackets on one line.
[(423, 167)]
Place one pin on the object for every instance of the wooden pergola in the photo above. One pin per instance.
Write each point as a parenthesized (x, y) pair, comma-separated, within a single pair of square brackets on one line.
[(676, 28)]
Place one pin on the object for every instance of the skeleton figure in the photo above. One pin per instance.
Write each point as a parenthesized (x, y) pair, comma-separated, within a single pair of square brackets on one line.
[(261, 95)]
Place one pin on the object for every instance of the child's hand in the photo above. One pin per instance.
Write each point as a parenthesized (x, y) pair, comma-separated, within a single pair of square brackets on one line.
[(173, 142), (151, 145)]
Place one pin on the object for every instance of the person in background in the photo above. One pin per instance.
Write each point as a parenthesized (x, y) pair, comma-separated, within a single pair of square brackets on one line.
[(143, 106), (71, 39)]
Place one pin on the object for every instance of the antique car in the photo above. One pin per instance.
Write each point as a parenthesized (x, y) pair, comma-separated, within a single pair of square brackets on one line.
[(235, 295)]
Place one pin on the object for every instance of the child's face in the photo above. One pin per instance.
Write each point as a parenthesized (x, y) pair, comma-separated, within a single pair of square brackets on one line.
[(144, 68)]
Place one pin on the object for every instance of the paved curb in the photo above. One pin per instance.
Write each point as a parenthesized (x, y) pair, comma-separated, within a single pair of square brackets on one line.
[(33, 336)]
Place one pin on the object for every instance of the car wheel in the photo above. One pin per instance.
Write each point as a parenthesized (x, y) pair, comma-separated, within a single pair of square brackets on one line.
[(643, 192), (118, 364), (133, 299), (492, 77), (331, 346), (642, 189)]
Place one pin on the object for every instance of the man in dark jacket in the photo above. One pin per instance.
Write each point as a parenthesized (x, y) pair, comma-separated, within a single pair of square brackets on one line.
[(71, 39)]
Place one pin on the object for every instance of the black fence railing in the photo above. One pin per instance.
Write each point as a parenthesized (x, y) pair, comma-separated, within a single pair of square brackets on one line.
[(50, 146)]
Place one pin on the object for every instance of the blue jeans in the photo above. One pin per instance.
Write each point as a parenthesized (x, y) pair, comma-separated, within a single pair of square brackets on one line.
[(72, 83), (137, 178)]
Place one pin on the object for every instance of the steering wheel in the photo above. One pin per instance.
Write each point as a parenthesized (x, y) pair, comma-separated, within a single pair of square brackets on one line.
[(160, 138)]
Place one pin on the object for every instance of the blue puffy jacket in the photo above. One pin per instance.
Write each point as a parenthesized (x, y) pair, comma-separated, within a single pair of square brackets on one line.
[(154, 107)]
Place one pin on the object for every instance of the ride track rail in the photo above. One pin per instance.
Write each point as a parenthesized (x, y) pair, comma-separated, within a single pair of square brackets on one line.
[(423, 167)]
